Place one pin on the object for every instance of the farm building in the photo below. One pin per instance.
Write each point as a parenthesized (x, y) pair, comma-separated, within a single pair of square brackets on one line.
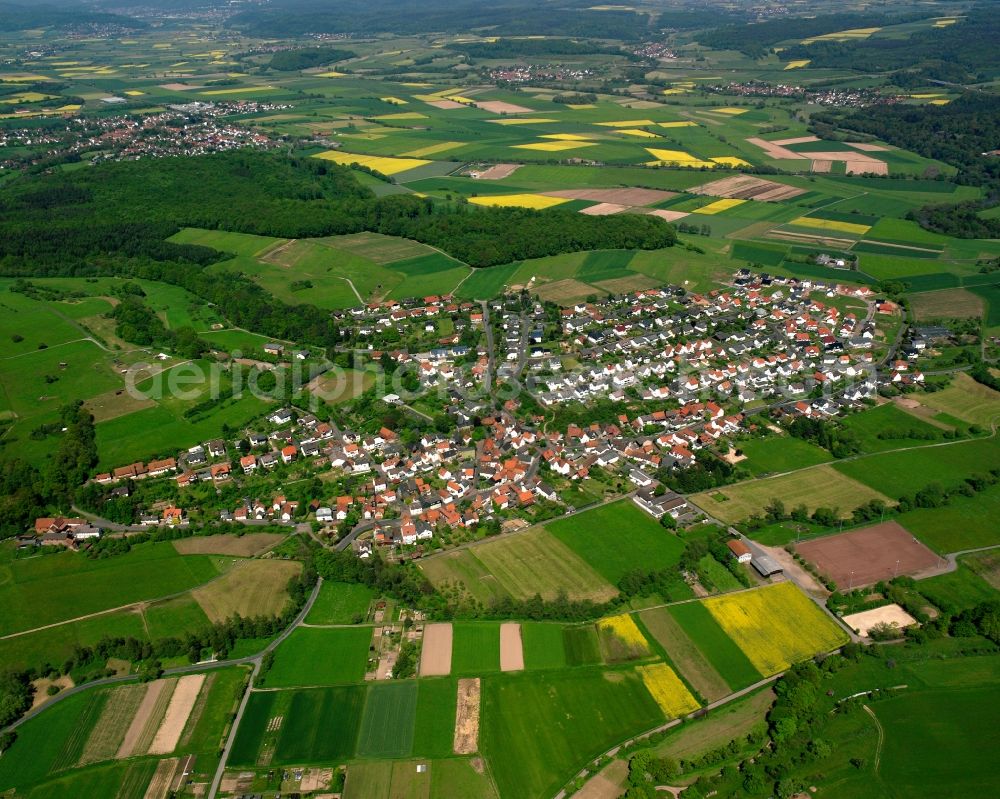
[(740, 551), (765, 565)]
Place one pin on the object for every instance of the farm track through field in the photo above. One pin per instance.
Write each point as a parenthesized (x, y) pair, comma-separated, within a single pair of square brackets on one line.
[(881, 736)]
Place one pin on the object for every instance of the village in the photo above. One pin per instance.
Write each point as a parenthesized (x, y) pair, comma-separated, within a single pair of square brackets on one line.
[(664, 374)]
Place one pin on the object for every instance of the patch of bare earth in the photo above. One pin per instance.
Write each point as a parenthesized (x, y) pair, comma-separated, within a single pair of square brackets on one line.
[(467, 717), (511, 649), (180, 707), (500, 107), (498, 172), (41, 686), (435, 652), (887, 614), (604, 209), (315, 779), (154, 691), (607, 783), (669, 216)]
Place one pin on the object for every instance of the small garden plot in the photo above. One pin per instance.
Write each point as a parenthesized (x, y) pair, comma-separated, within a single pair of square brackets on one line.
[(313, 656), (621, 639), (388, 722), (775, 626), (476, 648)]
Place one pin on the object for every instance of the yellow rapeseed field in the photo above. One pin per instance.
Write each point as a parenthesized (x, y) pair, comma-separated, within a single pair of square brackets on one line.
[(433, 149), (628, 123), (624, 627), (638, 132), (393, 100), (331, 74), (536, 201), (718, 206), (775, 626), (555, 146), (731, 111), (521, 121), (797, 64), (564, 137), (580, 106), (831, 224), (731, 160), (385, 165), (677, 158), (666, 688), (687, 124)]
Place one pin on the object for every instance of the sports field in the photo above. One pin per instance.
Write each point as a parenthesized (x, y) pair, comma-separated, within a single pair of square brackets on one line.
[(866, 556), (822, 486)]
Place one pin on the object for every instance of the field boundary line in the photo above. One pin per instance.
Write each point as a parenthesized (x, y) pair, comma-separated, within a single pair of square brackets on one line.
[(881, 736)]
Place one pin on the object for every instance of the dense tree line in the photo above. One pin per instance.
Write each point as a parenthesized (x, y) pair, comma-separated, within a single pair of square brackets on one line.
[(139, 324), (307, 57), (964, 52), (831, 436), (404, 17), (757, 38)]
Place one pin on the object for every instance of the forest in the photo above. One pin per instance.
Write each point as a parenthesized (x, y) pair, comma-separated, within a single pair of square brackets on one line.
[(966, 51), (306, 57)]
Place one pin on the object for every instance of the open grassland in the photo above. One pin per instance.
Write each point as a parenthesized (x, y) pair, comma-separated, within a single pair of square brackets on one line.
[(775, 626), (463, 573), (434, 728), (666, 688), (312, 656), (475, 648), (241, 546), (539, 727), (683, 653), (897, 473), (779, 454), (711, 641), (964, 523), (890, 427), (822, 486), (613, 538), (964, 587), (934, 740), (947, 304), (340, 603), (388, 722), (50, 588), (171, 617), (314, 726), (966, 399), (536, 562), (250, 588)]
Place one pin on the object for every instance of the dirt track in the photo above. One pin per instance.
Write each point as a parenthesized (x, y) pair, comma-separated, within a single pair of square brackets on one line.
[(467, 717)]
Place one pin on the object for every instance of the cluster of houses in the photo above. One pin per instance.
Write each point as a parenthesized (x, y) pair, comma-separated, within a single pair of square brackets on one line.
[(690, 362)]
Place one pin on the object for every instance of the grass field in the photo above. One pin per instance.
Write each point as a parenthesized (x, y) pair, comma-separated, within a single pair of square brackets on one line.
[(890, 427), (250, 588), (964, 523), (775, 626), (313, 656), (340, 603), (536, 562), (966, 399), (537, 728), (582, 645), (822, 486), (781, 454), (53, 587), (401, 780), (957, 590), (388, 723), (681, 650), (714, 645), (613, 538), (897, 473), (475, 648), (434, 727), (933, 741), (543, 645), (241, 546), (464, 573)]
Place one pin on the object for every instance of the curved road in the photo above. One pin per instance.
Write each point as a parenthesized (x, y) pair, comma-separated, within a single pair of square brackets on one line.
[(178, 670)]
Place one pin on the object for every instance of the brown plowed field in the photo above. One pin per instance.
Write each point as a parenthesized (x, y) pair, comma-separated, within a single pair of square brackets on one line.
[(863, 557)]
